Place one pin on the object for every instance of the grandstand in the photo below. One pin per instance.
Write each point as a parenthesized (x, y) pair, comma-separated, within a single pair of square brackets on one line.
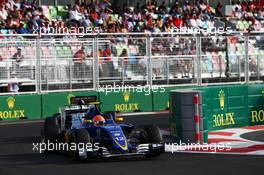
[(129, 43)]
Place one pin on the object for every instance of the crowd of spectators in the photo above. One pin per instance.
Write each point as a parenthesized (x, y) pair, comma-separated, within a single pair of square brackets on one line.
[(155, 16)]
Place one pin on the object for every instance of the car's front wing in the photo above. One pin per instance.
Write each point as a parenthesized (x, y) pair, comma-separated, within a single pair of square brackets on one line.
[(142, 150)]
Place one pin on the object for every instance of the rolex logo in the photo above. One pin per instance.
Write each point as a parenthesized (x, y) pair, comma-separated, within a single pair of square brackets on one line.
[(221, 96), (10, 102), (126, 96), (69, 98)]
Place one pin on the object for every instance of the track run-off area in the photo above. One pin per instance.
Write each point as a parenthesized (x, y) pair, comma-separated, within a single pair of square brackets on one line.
[(18, 158)]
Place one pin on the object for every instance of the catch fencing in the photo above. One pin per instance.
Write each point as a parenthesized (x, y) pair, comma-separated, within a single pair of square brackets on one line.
[(52, 62)]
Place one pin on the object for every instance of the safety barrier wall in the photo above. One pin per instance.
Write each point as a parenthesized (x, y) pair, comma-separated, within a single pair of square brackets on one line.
[(122, 100), (20, 107), (255, 104), (126, 101), (231, 106), (220, 107), (161, 98), (183, 111), (223, 106)]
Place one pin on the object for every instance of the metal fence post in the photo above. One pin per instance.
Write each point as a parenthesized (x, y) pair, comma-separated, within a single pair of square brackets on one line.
[(123, 74), (246, 60), (70, 74), (95, 63), (239, 68), (258, 68), (167, 70), (38, 69), (45, 72), (198, 59), (149, 65)]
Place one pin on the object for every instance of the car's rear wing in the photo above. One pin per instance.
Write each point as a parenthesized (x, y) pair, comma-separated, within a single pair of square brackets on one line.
[(83, 100)]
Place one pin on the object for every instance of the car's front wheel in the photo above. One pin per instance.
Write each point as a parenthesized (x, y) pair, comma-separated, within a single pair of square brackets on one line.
[(152, 134), (77, 143)]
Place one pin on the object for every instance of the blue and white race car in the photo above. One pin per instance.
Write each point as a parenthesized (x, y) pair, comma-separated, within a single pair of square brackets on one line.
[(82, 131)]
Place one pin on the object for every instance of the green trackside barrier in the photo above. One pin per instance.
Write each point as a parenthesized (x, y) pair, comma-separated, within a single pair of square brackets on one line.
[(20, 107), (256, 104), (51, 102), (161, 98), (128, 100), (225, 106)]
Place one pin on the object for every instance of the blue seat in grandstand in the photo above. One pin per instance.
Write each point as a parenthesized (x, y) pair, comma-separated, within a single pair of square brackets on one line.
[(209, 65), (131, 58), (4, 31)]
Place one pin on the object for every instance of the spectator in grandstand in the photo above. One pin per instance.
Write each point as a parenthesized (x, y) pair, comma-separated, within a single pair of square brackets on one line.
[(260, 15), (218, 10), (123, 61), (151, 17), (107, 65), (13, 85), (26, 5), (79, 66), (1, 58), (79, 56), (18, 57), (75, 16), (3, 12)]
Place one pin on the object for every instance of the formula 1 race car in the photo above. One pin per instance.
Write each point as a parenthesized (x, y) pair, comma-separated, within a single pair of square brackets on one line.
[(99, 134)]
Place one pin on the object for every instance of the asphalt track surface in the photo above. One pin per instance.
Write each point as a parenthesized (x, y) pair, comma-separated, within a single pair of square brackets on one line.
[(17, 157), (257, 136)]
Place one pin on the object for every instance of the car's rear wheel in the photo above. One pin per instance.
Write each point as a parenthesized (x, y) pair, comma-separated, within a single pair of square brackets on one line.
[(51, 129), (80, 136), (109, 115)]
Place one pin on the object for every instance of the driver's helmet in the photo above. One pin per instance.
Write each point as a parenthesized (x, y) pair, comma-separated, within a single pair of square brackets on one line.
[(98, 120)]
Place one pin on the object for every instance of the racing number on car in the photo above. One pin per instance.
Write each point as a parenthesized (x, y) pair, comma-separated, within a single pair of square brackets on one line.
[(119, 138)]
